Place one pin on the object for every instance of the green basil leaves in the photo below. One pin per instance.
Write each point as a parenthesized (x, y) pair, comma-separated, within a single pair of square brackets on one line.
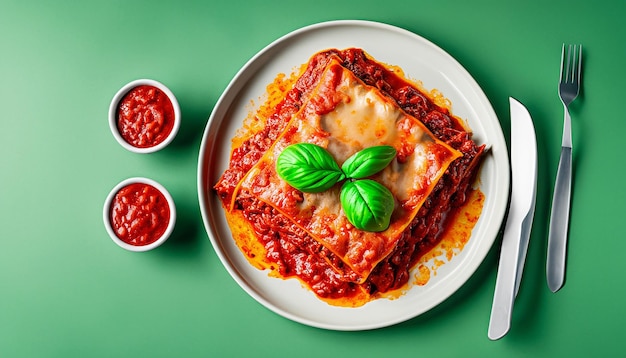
[(368, 205), (308, 168), (369, 161)]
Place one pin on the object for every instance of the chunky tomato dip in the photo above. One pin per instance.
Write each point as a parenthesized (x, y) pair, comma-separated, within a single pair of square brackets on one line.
[(145, 116), (140, 214), (281, 229)]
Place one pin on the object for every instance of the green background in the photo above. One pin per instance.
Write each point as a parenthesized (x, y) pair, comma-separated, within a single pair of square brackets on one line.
[(66, 290)]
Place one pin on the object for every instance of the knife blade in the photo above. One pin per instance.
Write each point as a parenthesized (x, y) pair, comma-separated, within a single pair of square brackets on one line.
[(519, 220)]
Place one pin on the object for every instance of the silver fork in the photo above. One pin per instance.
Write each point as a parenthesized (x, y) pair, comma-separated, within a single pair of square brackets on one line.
[(569, 86)]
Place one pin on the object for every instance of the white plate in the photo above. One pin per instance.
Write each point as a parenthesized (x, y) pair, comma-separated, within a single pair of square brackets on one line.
[(421, 60)]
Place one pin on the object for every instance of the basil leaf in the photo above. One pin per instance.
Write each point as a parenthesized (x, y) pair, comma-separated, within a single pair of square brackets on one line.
[(368, 205), (368, 161), (308, 168)]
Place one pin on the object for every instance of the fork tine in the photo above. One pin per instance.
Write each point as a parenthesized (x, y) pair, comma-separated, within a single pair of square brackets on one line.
[(562, 63), (569, 65), (580, 62)]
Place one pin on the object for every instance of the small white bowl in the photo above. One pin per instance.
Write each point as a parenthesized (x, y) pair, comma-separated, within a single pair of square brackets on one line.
[(106, 214), (113, 115)]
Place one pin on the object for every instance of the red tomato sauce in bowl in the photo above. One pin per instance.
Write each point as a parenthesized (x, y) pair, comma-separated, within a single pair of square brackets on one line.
[(145, 116), (139, 214)]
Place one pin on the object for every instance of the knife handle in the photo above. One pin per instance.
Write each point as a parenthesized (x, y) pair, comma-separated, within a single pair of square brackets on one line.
[(504, 295), (559, 222)]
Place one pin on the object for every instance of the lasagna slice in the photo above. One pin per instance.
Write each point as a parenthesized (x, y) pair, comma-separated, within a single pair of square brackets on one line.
[(344, 115), (345, 101)]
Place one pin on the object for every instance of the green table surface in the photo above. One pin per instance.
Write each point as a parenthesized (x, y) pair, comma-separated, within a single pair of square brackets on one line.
[(67, 290)]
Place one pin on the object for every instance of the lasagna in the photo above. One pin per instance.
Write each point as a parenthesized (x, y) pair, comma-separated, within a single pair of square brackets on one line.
[(344, 102)]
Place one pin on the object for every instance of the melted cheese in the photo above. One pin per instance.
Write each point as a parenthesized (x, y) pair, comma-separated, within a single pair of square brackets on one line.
[(344, 116)]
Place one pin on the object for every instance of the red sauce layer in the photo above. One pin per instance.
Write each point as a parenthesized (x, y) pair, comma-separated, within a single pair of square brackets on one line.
[(145, 116), (295, 254), (140, 214)]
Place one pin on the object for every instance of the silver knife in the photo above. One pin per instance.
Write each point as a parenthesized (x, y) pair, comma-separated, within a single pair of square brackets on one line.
[(519, 220)]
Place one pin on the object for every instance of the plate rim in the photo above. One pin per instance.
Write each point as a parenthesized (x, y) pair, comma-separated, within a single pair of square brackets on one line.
[(205, 162)]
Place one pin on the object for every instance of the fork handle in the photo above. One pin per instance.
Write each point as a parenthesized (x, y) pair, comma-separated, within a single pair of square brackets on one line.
[(559, 221)]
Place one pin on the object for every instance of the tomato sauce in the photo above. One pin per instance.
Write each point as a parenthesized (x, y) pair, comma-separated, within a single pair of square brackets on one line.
[(140, 214), (145, 116)]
